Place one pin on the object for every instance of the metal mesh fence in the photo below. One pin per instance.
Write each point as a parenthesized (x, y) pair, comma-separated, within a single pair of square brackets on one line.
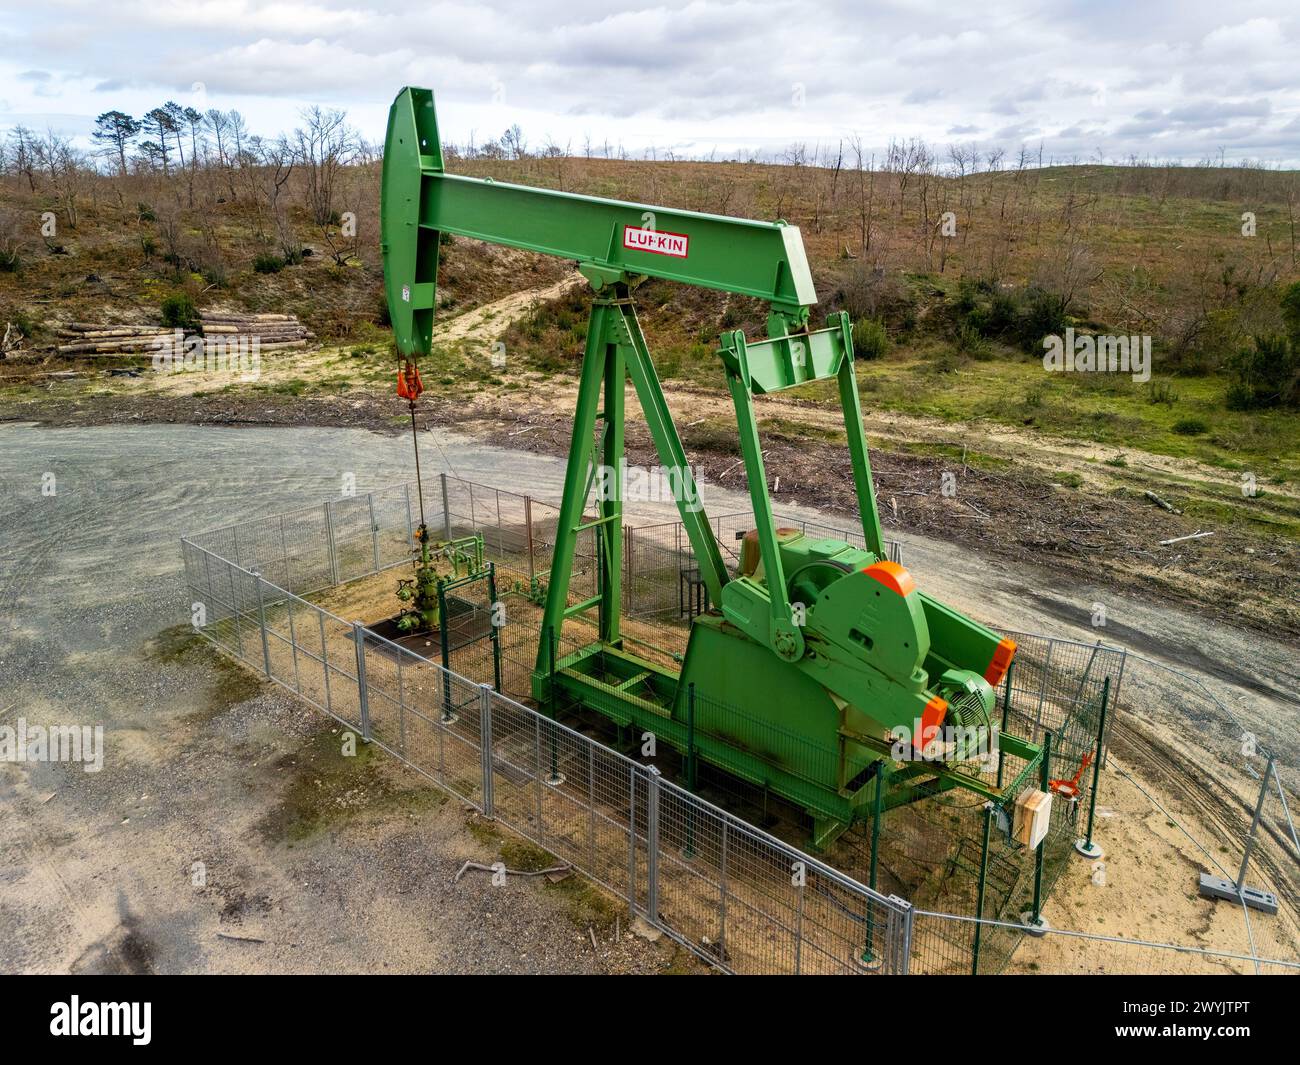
[(1062, 951), (931, 852), (743, 900)]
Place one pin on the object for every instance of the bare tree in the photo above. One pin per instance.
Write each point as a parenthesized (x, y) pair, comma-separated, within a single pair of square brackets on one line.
[(218, 123), (513, 143), (325, 145), (65, 167), (22, 149)]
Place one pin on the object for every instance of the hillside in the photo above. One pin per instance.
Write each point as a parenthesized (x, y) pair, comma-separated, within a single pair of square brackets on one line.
[(948, 332)]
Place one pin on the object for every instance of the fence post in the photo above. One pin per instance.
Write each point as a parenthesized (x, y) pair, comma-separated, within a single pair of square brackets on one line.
[(652, 845), (325, 662), (979, 891), (1033, 920), (284, 557), (261, 617), (1042, 688), (329, 543), (631, 837), (528, 526), (1085, 846), (627, 567), (446, 510), (374, 529), (908, 911), (1254, 825), (485, 742), (798, 918), (363, 701)]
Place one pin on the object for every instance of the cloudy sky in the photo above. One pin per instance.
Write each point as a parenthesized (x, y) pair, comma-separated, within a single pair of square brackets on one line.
[(1161, 79)]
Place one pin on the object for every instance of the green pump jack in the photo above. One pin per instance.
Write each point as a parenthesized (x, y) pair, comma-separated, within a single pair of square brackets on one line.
[(818, 665)]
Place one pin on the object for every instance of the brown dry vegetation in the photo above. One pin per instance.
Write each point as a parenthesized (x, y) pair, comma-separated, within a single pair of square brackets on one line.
[(1062, 460)]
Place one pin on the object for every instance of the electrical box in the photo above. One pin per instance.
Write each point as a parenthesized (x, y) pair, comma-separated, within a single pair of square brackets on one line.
[(1033, 817)]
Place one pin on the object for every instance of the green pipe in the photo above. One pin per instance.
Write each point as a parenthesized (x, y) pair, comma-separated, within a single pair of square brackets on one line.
[(555, 766), (689, 850), (496, 631), (690, 737), (1096, 759), (1006, 710), (445, 648), (877, 806)]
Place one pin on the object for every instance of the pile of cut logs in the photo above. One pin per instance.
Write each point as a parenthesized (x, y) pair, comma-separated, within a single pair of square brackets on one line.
[(273, 332)]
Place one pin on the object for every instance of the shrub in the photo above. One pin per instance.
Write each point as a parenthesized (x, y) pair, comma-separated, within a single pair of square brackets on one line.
[(179, 312), (1291, 311), (1041, 314), (1161, 390), (1190, 427), (267, 263), (23, 322), (10, 261), (1267, 374), (870, 340), (971, 341)]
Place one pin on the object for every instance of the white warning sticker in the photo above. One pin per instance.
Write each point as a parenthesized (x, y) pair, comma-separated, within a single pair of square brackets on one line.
[(656, 241)]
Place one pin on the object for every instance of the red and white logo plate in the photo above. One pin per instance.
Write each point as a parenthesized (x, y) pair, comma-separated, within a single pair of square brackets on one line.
[(656, 242)]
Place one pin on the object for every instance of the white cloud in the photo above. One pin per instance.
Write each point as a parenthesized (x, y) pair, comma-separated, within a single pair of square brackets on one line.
[(1180, 80)]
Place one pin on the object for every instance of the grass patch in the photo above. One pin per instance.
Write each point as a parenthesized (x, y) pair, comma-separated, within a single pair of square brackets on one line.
[(326, 788), (232, 683), (586, 905)]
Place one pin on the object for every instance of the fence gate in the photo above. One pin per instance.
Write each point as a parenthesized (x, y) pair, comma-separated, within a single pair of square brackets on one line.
[(470, 631)]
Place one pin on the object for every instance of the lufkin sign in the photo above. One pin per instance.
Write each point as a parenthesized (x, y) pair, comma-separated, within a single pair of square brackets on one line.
[(656, 242)]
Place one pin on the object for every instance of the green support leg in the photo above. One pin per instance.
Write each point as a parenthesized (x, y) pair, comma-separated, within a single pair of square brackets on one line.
[(576, 483), (784, 638), (610, 534), (862, 480)]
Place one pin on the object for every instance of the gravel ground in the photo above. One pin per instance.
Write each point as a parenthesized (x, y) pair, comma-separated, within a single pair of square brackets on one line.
[(309, 863), (315, 869)]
